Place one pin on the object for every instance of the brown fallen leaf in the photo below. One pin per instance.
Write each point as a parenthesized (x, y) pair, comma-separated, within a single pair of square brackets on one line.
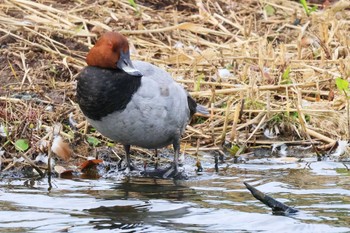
[(90, 164), (63, 172)]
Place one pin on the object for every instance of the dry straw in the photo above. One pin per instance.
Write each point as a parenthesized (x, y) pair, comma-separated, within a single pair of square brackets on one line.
[(257, 65)]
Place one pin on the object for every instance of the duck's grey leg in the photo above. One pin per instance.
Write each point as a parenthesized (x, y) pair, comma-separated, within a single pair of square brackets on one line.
[(127, 155), (129, 164), (156, 159), (174, 169)]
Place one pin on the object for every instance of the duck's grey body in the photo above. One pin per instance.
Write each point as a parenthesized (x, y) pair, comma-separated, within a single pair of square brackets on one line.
[(133, 103), (156, 115)]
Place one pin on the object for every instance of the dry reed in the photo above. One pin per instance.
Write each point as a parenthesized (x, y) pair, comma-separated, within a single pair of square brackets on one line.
[(251, 62)]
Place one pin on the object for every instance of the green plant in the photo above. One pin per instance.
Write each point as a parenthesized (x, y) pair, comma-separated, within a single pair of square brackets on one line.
[(270, 10), (234, 149), (286, 120), (200, 120), (93, 141), (295, 116), (134, 5), (253, 104), (110, 144), (343, 171), (197, 86), (22, 145), (308, 10), (343, 86), (285, 77)]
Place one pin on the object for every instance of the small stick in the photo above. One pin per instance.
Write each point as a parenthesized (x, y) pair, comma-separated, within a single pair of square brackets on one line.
[(49, 155), (319, 136), (203, 149), (9, 166), (250, 136), (257, 88), (235, 121), (190, 128), (31, 163), (223, 134)]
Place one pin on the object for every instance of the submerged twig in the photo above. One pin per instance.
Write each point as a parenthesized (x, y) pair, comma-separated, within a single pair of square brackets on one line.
[(277, 207)]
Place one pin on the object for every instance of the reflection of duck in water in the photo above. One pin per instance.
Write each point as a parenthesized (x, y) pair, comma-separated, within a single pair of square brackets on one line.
[(139, 204)]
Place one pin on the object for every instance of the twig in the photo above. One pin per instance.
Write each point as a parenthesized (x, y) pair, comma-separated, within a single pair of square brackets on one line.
[(31, 163)]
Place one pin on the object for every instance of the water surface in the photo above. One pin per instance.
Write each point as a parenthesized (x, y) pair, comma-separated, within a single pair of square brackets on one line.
[(206, 202)]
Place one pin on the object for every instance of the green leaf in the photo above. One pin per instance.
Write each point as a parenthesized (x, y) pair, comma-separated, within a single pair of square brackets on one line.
[(286, 73), (79, 28), (197, 86), (305, 6), (132, 3), (342, 85), (71, 134), (234, 149), (200, 120), (343, 171), (22, 145), (307, 118), (229, 67), (294, 115), (135, 6), (110, 144), (269, 10), (313, 9), (285, 76), (93, 141), (307, 9)]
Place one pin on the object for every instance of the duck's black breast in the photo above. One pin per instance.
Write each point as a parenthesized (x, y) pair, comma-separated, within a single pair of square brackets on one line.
[(104, 91)]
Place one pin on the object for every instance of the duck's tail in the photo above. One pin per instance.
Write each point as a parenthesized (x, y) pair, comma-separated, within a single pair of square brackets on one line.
[(196, 108), (202, 109)]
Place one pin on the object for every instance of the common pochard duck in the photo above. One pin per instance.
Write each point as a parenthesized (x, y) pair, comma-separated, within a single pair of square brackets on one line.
[(133, 102)]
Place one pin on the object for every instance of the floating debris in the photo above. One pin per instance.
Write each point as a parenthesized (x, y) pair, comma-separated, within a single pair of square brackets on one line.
[(278, 208)]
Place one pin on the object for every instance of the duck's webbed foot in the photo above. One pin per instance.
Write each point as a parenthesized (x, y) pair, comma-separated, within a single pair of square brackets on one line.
[(166, 173), (124, 167), (172, 171)]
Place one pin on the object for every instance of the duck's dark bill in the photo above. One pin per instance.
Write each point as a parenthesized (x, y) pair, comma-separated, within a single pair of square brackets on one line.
[(124, 63)]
